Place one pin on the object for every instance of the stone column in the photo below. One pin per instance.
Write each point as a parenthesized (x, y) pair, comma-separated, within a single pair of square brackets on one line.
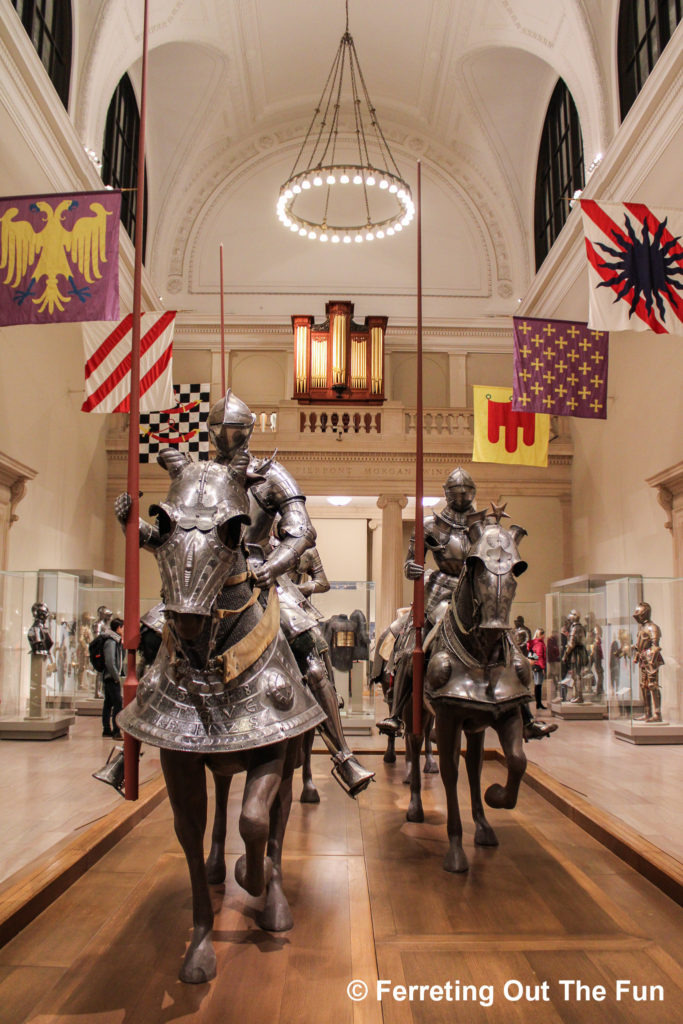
[(567, 537), (457, 380), (390, 581)]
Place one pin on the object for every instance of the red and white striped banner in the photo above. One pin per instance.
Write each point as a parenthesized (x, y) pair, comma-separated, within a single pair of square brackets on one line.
[(635, 267), (108, 357)]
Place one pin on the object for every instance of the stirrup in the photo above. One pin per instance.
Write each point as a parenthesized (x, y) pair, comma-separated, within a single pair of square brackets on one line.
[(392, 726), (350, 774)]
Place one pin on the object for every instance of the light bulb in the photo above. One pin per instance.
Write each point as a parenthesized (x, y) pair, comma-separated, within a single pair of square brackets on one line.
[(370, 180), (384, 183), (335, 238), (380, 234), (323, 237), (369, 237), (303, 232), (317, 181), (357, 180), (347, 238), (390, 231), (358, 238), (296, 189), (330, 179), (305, 183), (288, 194), (401, 194), (393, 188), (293, 227), (398, 227), (344, 178), (312, 234)]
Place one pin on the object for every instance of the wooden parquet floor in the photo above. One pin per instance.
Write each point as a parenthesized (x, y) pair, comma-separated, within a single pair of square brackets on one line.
[(370, 900)]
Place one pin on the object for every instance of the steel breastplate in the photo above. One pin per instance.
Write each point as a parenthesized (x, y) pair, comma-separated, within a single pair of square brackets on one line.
[(455, 676)]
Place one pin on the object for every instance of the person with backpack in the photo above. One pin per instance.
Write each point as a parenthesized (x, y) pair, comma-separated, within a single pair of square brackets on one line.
[(111, 642)]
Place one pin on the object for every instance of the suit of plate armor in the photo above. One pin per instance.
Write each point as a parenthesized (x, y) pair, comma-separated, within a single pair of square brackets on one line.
[(647, 654), (576, 655), (275, 501), (445, 535)]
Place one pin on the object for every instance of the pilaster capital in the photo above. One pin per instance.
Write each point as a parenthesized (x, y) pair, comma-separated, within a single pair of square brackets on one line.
[(391, 499)]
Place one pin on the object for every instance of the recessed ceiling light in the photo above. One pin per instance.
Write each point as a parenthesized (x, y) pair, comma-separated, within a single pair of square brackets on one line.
[(339, 499)]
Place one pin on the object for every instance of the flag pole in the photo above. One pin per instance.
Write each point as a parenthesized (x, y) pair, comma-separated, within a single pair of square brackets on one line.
[(131, 615), (222, 330), (418, 586)]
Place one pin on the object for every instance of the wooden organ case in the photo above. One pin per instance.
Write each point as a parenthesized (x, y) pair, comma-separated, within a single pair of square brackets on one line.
[(339, 360)]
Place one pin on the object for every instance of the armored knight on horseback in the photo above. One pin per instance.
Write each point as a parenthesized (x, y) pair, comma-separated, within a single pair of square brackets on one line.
[(446, 536), (277, 506)]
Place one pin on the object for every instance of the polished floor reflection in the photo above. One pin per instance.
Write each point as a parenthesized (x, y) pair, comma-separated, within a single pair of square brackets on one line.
[(370, 901)]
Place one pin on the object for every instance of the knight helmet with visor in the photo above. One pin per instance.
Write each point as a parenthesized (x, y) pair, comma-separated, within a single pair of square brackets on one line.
[(460, 490), (230, 425)]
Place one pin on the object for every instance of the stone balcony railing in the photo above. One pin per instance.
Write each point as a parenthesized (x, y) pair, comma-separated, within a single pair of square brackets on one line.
[(393, 424)]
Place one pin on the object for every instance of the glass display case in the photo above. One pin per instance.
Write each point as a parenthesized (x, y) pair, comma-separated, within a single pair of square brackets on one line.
[(36, 697), (348, 624), (646, 655), (622, 675), (587, 619)]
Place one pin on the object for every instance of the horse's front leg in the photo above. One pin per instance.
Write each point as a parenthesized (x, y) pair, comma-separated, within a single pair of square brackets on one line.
[(309, 794), (215, 862), (186, 784), (474, 760), (253, 868), (276, 915), (430, 767), (448, 732), (415, 811), (510, 733)]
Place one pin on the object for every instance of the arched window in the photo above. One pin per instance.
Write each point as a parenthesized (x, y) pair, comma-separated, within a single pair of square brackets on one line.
[(560, 170), (645, 27), (120, 154), (49, 28)]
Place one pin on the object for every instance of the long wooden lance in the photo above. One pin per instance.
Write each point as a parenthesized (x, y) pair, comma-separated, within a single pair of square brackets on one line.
[(131, 615), (222, 330), (418, 586)]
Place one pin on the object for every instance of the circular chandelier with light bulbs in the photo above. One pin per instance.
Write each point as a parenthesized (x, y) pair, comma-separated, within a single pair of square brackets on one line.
[(337, 191)]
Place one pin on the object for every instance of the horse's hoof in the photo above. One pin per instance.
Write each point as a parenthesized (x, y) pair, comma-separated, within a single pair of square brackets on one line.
[(455, 860), (406, 778), (276, 915), (389, 757), (199, 965), (215, 870), (253, 881), (431, 767), (485, 836), (309, 794), (498, 796), (415, 813)]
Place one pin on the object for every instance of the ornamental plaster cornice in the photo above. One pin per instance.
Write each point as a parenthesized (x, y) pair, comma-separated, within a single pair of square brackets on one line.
[(14, 475), (669, 487)]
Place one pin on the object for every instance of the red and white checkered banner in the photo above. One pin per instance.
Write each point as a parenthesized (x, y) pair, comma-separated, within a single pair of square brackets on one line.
[(108, 358)]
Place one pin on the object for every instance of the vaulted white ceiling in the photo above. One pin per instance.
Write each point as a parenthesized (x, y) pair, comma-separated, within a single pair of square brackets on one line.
[(463, 85)]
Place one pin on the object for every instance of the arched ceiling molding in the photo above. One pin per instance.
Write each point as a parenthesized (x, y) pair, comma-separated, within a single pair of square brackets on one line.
[(223, 165), (191, 135), (229, 182), (115, 46), (570, 51)]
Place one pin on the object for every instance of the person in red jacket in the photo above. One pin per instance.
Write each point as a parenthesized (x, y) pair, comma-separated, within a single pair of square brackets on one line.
[(537, 656)]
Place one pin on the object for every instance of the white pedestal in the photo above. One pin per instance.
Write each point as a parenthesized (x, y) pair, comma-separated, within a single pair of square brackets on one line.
[(648, 733), (89, 705), (51, 727), (585, 712)]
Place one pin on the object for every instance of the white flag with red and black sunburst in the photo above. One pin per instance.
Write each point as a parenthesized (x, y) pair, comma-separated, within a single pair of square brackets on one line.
[(635, 267)]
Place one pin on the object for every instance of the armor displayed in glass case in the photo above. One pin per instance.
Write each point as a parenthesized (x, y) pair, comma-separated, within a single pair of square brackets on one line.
[(629, 634)]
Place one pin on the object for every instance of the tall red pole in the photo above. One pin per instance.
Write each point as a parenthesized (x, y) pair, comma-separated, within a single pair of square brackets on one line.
[(131, 614), (222, 330), (419, 586)]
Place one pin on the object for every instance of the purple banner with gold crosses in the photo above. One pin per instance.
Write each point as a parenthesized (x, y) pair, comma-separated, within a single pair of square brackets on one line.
[(560, 368)]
